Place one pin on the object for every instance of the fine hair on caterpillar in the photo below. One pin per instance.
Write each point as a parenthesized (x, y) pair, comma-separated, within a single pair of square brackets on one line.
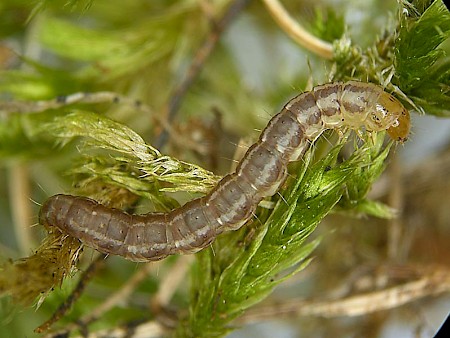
[(259, 174)]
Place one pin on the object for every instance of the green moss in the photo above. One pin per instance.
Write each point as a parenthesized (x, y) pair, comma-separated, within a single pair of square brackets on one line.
[(238, 272)]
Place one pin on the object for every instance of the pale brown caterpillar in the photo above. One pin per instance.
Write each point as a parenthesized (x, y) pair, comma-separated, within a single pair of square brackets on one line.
[(233, 201)]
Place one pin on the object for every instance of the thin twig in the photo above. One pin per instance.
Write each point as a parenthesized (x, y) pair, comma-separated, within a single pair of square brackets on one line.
[(75, 295), (431, 284), (34, 107), (121, 295), (395, 201), (8, 107), (19, 190), (168, 287), (149, 329), (170, 283), (297, 32), (196, 66)]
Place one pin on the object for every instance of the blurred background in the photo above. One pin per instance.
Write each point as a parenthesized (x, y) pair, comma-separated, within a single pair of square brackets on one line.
[(142, 50)]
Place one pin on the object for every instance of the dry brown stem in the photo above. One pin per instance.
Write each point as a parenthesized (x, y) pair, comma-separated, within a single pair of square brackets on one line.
[(296, 31), (433, 283), (196, 66), (75, 295)]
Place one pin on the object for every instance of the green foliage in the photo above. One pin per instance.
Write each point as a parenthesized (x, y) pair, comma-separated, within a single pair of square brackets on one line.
[(35, 135), (422, 68), (42, 83), (116, 53), (242, 268), (72, 5), (408, 60), (144, 165), (17, 137), (35, 276), (12, 23), (328, 24)]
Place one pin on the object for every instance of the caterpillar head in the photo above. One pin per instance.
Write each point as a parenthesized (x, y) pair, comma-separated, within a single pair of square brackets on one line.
[(389, 114)]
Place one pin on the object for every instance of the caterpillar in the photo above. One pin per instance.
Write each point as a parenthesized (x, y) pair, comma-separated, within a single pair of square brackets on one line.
[(260, 173)]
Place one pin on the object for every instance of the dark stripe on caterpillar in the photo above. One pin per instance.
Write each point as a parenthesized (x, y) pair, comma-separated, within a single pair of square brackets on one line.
[(260, 173)]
